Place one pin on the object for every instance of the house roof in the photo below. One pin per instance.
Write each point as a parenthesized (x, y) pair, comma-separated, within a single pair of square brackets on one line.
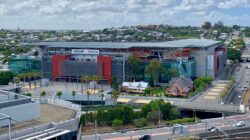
[(184, 83), (135, 85), (183, 43)]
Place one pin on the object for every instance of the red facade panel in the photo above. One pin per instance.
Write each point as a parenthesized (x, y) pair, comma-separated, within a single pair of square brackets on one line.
[(106, 62), (56, 60)]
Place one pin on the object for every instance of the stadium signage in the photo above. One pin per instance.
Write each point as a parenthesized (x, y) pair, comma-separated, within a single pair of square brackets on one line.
[(84, 51)]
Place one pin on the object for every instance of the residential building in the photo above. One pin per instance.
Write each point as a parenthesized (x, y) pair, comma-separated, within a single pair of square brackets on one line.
[(134, 87), (180, 87)]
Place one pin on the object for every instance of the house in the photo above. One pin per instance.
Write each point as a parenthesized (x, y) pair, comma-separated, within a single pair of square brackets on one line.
[(180, 86), (134, 87)]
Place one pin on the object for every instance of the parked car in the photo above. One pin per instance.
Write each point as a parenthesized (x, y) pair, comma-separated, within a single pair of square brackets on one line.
[(240, 123), (145, 137), (212, 129)]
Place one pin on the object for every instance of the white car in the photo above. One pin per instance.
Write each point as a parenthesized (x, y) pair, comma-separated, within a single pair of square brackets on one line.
[(212, 129), (240, 123)]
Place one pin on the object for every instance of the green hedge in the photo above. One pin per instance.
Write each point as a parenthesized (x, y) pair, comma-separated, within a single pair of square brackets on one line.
[(181, 121)]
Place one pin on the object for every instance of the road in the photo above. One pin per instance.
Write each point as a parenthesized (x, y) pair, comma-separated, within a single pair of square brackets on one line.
[(166, 132), (242, 75), (242, 83)]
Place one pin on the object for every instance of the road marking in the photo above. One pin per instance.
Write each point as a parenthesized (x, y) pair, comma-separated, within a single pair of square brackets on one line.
[(216, 90), (209, 97), (142, 101), (213, 93), (219, 87), (123, 100)]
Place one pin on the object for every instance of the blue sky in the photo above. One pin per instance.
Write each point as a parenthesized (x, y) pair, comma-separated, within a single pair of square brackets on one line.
[(98, 14)]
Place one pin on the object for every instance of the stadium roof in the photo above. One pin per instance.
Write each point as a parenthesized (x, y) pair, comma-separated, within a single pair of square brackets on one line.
[(125, 45)]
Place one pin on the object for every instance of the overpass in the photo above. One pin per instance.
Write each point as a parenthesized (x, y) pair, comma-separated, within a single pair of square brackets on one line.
[(206, 101)]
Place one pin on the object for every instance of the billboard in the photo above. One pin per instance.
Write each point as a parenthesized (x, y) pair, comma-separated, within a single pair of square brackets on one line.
[(84, 51)]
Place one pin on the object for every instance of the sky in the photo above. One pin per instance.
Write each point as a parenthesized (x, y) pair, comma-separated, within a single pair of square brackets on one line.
[(99, 14)]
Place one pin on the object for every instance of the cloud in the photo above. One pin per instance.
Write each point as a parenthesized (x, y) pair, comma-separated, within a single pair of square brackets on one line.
[(232, 3), (91, 14)]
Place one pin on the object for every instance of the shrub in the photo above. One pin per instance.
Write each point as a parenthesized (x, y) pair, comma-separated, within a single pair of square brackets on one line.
[(28, 94), (181, 121), (117, 123), (142, 122)]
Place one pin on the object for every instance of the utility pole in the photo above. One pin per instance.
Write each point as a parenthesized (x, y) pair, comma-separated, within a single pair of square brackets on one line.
[(159, 115)]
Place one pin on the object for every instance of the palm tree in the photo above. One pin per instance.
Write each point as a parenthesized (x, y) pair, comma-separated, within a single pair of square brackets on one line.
[(73, 94), (88, 79), (59, 94), (88, 94), (35, 75), (115, 95), (98, 78), (102, 97), (95, 79), (29, 75)]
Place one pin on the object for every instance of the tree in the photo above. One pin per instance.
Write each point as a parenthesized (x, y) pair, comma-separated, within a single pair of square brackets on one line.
[(147, 91), (207, 25), (83, 119), (165, 109), (142, 122), (154, 116), (173, 72), (154, 69), (73, 94), (218, 25), (114, 83), (117, 123), (202, 81), (233, 54), (173, 113), (102, 97), (5, 77), (29, 75), (59, 94), (127, 114), (236, 27), (133, 66), (43, 94), (16, 81), (115, 95)]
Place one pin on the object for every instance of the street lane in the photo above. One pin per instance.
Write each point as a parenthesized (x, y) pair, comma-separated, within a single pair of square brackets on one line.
[(166, 132)]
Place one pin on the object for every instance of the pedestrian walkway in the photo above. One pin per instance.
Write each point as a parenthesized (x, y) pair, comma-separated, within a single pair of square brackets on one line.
[(215, 92)]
